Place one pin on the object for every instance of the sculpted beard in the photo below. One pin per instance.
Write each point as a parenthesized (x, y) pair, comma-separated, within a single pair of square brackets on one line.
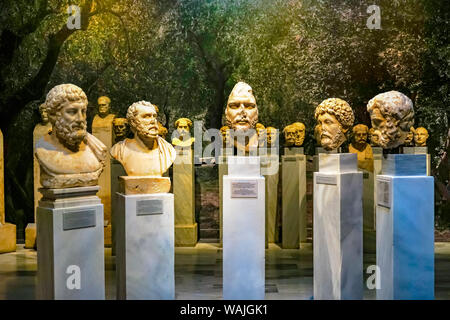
[(241, 118), (335, 140), (146, 131), (389, 134), (70, 134)]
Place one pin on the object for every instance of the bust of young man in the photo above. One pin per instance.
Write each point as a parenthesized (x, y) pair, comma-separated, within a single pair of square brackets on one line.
[(334, 117), (69, 156), (420, 137), (146, 154)]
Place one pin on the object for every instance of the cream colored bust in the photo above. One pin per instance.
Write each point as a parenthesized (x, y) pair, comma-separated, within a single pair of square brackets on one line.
[(242, 116), (392, 116), (334, 117), (420, 137), (69, 156), (299, 133), (183, 126), (146, 154)]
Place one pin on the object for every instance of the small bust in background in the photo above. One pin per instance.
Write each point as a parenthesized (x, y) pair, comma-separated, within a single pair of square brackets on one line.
[(290, 135), (360, 146), (334, 117), (420, 137), (272, 134), (226, 137), (104, 106), (299, 133), (409, 141), (120, 127), (44, 114), (261, 132), (183, 126), (392, 116)]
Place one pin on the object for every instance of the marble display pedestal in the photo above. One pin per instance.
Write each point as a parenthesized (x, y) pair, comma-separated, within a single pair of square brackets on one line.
[(102, 129), (405, 228), (377, 166), (145, 247), (419, 150), (70, 245), (270, 164), (186, 234), (369, 237), (320, 150), (338, 228), (7, 230), (243, 230), (223, 171), (117, 170), (293, 199)]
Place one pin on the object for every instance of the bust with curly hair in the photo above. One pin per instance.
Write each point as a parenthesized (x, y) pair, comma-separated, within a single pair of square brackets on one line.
[(182, 136), (334, 117), (392, 115)]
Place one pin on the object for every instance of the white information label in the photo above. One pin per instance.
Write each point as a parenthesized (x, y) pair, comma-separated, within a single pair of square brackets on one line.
[(384, 193), (320, 179)]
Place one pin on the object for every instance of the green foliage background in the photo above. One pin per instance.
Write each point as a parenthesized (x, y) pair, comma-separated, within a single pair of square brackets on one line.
[(186, 55)]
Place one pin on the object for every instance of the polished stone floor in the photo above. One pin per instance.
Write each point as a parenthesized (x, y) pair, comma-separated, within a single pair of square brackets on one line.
[(198, 273)]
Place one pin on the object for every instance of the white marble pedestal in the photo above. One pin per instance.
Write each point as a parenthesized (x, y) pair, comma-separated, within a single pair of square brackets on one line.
[(243, 230), (338, 228), (405, 228), (420, 150), (145, 242), (117, 170), (70, 245)]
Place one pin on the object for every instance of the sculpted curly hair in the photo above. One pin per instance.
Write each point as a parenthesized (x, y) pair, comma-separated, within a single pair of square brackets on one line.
[(132, 111), (339, 108), (60, 94)]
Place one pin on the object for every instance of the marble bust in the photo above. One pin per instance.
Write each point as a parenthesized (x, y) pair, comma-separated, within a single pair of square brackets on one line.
[(290, 135), (69, 156), (409, 141), (420, 137), (360, 146), (271, 136), (183, 126), (226, 137), (146, 154), (120, 128), (241, 115), (261, 132), (392, 116), (299, 133), (334, 117)]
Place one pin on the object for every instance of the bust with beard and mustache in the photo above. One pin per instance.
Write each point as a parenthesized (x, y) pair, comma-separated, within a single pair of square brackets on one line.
[(392, 116), (334, 118), (69, 156), (242, 116), (146, 154)]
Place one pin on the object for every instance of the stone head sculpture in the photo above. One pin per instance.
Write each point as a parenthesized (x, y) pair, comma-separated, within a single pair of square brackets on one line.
[(271, 136), (261, 132), (226, 137), (299, 134), (409, 140), (360, 135), (142, 119), (104, 105), (290, 135), (120, 127), (420, 137), (183, 126), (43, 113), (334, 117), (392, 116), (241, 112), (373, 138)]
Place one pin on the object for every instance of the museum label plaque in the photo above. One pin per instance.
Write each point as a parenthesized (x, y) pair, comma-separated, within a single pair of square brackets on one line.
[(149, 207), (384, 193), (244, 189), (78, 219), (326, 180)]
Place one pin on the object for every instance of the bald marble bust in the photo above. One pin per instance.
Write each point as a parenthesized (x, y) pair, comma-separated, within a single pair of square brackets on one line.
[(147, 154), (69, 156)]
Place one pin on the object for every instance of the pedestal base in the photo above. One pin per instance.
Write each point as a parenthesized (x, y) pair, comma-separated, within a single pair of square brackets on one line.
[(145, 253), (70, 245), (243, 232), (186, 235), (30, 236), (338, 219), (7, 237)]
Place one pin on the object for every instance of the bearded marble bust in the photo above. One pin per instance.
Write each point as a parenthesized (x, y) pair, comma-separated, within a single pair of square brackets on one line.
[(392, 116), (299, 133), (184, 139), (147, 154), (334, 117), (290, 135), (69, 156)]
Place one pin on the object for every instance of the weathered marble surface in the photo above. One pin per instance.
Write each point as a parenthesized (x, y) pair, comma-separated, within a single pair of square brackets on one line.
[(145, 253), (271, 184), (184, 194), (243, 234), (117, 170), (405, 233), (337, 230), (143, 184), (59, 249)]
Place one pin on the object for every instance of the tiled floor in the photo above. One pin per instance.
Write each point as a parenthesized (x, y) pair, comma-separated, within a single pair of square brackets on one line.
[(198, 273)]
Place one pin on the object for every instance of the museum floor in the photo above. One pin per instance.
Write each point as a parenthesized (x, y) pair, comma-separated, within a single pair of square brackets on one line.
[(198, 273)]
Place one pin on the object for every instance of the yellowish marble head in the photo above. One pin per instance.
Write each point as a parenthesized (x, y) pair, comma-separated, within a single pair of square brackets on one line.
[(226, 136), (43, 112), (271, 136), (183, 125), (420, 137), (241, 112), (392, 116), (335, 117), (299, 133), (104, 106), (120, 127), (360, 135), (290, 135), (409, 141)]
